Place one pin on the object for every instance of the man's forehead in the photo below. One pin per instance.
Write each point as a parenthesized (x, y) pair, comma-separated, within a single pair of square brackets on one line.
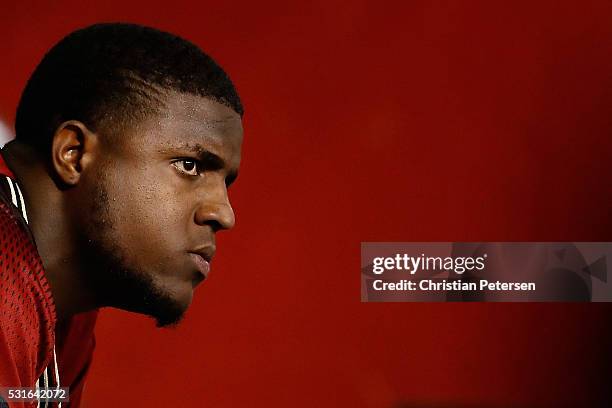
[(203, 110), (186, 119)]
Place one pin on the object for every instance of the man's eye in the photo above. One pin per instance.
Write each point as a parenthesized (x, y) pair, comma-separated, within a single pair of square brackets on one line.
[(187, 166)]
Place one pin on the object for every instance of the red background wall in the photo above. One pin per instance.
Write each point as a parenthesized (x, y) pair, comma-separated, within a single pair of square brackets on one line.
[(373, 121)]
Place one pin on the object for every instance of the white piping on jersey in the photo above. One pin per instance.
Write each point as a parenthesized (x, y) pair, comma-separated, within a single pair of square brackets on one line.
[(38, 386), (13, 197), (57, 380), (46, 380), (23, 207), (16, 191)]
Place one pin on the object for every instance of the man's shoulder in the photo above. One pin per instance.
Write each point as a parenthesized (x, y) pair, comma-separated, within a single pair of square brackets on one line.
[(21, 268), (27, 312)]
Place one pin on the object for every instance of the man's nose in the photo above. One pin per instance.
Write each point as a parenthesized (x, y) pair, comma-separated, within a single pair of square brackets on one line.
[(215, 210)]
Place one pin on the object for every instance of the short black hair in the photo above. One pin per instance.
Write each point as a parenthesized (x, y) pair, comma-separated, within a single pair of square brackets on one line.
[(111, 74)]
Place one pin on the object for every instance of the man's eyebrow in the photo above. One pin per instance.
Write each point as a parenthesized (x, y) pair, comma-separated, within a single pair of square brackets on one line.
[(209, 160)]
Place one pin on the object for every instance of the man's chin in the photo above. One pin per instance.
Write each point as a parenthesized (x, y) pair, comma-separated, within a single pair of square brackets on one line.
[(168, 309), (169, 318)]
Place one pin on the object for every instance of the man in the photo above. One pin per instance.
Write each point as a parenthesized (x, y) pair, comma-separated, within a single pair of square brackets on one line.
[(127, 139)]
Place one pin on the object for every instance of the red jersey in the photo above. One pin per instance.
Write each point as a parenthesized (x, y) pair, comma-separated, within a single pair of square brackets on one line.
[(35, 350)]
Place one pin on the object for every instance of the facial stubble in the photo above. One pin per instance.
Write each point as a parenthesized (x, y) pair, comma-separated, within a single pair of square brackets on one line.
[(110, 276)]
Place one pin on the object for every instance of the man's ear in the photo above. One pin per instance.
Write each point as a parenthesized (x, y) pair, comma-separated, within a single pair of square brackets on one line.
[(72, 151)]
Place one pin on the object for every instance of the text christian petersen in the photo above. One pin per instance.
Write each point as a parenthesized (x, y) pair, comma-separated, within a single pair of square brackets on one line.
[(439, 265)]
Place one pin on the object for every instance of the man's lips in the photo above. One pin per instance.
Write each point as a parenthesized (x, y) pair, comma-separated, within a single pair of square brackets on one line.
[(202, 264)]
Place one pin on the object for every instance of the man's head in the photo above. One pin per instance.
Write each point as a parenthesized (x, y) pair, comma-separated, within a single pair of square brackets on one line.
[(141, 132)]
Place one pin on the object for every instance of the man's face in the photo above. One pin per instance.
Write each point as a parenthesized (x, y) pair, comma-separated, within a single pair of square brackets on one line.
[(156, 198)]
